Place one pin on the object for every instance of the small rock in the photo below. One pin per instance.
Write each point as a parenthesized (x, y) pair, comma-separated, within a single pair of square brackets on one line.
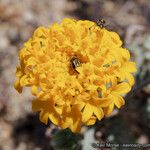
[(143, 139), (147, 43), (22, 146), (14, 36), (5, 131), (29, 17), (4, 43), (147, 55)]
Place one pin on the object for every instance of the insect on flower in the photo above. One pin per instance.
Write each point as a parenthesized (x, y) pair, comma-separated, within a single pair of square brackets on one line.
[(101, 23), (75, 62)]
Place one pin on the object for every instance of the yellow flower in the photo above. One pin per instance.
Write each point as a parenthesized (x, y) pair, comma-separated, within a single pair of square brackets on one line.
[(69, 94)]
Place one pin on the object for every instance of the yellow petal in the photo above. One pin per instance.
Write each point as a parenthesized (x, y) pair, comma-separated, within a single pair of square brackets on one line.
[(109, 109), (17, 86), (80, 105), (18, 72), (125, 53), (116, 39), (87, 112), (43, 86), (119, 101), (98, 112), (130, 78), (121, 88), (24, 80), (54, 118), (130, 67), (91, 121), (34, 90), (66, 123), (105, 102), (36, 105), (76, 126), (31, 61), (44, 117)]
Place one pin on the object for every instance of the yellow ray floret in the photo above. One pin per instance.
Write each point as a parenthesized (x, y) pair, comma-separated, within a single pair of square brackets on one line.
[(70, 94)]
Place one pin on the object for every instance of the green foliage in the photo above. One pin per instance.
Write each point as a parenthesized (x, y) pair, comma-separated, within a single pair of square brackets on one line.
[(66, 140)]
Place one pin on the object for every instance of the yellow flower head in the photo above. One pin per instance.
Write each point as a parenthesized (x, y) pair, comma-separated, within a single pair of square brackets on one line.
[(77, 71)]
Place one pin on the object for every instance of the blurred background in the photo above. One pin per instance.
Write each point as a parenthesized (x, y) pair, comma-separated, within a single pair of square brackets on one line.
[(20, 128)]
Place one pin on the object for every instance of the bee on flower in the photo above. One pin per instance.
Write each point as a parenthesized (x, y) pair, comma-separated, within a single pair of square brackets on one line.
[(68, 99), (75, 62)]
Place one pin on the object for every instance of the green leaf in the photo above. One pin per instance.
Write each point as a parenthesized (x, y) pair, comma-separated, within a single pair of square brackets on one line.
[(65, 140)]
